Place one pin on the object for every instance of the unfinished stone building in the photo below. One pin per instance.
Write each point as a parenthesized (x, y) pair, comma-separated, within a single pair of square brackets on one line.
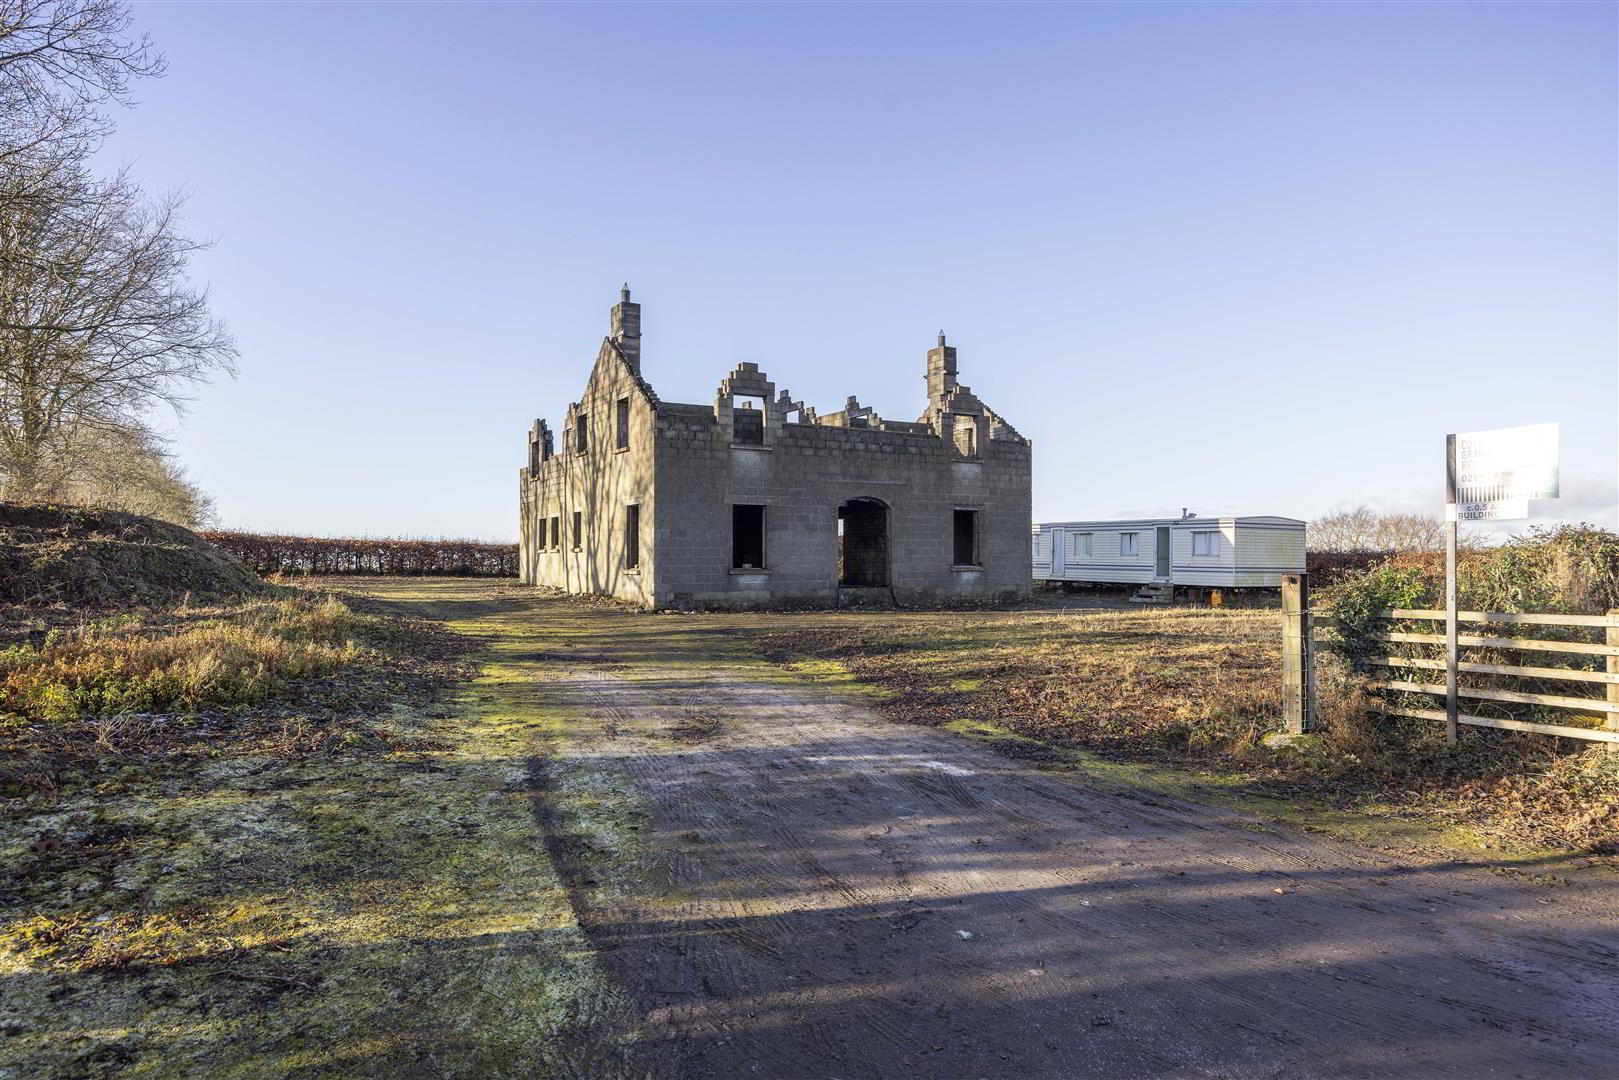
[(756, 500)]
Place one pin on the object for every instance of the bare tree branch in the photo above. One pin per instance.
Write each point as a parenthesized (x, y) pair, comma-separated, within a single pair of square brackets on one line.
[(60, 62)]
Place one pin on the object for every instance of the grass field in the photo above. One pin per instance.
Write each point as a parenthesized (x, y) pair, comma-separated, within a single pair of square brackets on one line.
[(1194, 691)]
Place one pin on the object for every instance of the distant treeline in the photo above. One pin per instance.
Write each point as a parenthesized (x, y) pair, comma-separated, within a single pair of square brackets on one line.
[(367, 555)]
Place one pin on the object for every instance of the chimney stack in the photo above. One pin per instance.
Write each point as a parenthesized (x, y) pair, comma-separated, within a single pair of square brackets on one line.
[(627, 328), (941, 369)]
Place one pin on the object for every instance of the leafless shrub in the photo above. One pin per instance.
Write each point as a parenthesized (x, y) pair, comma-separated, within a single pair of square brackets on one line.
[(1362, 529)]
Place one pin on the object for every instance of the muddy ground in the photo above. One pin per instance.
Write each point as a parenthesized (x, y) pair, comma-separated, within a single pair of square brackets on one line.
[(782, 884)]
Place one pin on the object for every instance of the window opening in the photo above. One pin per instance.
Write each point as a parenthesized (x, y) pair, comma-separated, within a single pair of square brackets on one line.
[(747, 537), (748, 420), (966, 538), (966, 432)]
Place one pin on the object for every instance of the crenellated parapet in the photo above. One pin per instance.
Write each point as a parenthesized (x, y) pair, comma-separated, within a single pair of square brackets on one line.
[(540, 446)]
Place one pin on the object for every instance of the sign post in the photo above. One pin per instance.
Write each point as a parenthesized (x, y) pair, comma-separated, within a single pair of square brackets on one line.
[(1489, 476), (1452, 649)]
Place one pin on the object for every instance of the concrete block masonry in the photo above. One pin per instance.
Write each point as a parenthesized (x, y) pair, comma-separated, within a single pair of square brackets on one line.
[(758, 500)]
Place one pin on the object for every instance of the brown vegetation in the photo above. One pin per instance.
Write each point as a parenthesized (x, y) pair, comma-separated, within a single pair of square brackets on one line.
[(1331, 567), (321, 555), (281, 673)]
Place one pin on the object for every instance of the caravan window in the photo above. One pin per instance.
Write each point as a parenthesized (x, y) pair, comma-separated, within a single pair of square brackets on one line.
[(1129, 543), (1079, 545), (1205, 543), (1042, 546)]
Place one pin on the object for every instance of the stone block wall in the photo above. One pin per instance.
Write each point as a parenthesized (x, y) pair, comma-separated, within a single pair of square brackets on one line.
[(598, 482), (688, 465)]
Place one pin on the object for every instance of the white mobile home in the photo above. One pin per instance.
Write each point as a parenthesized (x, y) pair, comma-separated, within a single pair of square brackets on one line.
[(1212, 553)]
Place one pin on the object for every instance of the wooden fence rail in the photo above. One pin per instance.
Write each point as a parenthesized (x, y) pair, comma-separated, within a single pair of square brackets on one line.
[(1605, 709), (1505, 617)]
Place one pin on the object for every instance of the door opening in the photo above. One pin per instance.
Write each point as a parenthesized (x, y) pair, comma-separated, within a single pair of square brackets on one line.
[(863, 543)]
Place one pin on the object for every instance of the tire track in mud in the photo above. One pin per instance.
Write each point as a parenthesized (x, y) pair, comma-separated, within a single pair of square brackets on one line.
[(820, 893)]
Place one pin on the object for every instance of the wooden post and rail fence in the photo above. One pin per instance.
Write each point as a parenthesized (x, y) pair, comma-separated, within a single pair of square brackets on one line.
[(1300, 634)]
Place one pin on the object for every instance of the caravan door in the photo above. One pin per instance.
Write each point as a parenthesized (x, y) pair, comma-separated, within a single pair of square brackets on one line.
[(1059, 554), (1160, 551)]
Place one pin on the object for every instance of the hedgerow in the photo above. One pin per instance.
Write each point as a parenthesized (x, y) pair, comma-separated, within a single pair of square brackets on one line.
[(320, 555)]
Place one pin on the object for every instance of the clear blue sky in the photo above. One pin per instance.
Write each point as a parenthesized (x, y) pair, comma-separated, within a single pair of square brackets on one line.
[(1250, 258)]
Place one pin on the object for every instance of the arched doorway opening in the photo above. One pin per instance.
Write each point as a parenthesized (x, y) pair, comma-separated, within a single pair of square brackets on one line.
[(863, 543)]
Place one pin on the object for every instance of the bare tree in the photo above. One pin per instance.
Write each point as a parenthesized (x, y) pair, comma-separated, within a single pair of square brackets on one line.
[(60, 62), (97, 321), (1364, 529)]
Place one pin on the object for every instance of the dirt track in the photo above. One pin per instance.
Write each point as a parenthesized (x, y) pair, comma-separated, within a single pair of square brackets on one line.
[(786, 885)]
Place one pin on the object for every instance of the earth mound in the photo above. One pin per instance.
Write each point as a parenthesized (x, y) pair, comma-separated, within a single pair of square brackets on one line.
[(105, 558)]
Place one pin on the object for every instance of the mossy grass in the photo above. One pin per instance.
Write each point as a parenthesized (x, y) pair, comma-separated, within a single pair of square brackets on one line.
[(371, 908)]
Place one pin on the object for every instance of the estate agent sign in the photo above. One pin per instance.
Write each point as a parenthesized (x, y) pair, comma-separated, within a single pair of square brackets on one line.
[(1497, 472), (1489, 475)]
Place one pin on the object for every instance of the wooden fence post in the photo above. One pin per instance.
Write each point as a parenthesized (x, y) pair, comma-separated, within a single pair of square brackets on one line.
[(1298, 659), (1612, 723)]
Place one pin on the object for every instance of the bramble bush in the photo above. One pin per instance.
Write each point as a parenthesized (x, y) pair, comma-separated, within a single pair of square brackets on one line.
[(1557, 792), (1570, 570)]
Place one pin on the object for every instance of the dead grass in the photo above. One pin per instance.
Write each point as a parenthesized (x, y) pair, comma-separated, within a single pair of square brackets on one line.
[(1133, 682), (192, 660), (157, 689), (1200, 689)]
